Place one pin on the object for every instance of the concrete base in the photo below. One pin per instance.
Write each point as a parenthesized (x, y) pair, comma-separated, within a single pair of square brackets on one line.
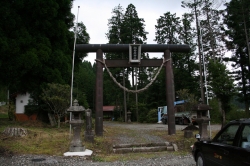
[(87, 152)]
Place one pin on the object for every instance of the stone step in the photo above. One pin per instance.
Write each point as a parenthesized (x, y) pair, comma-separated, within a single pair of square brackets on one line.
[(144, 147)]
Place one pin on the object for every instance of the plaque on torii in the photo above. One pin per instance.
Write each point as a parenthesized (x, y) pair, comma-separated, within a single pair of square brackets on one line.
[(135, 53)]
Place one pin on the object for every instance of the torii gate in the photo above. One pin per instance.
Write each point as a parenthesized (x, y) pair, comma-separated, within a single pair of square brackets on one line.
[(101, 48)]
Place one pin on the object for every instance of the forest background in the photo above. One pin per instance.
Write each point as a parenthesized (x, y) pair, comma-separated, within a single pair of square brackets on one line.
[(37, 41)]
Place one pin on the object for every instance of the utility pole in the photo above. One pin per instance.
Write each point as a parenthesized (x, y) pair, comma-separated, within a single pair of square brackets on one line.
[(136, 94), (73, 64), (199, 51), (124, 97)]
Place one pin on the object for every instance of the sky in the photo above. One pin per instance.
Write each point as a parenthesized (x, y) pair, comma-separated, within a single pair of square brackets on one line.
[(95, 14)]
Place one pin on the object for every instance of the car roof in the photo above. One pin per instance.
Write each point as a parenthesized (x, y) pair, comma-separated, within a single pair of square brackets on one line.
[(243, 120)]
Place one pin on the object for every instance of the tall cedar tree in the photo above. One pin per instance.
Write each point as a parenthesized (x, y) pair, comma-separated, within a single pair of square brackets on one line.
[(194, 6), (172, 30), (113, 95), (237, 19), (210, 27), (209, 35), (35, 45), (133, 32), (124, 28)]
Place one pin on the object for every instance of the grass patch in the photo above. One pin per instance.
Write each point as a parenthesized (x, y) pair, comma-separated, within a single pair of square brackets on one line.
[(44, 139), (3, 116), (3, 111)]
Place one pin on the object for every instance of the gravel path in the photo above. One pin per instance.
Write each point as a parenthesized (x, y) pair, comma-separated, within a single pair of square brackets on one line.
[(168, 160), (41, 160)]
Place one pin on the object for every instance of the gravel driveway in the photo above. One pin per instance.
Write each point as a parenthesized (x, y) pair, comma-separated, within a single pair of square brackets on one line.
[(168, 160), (156, 126)]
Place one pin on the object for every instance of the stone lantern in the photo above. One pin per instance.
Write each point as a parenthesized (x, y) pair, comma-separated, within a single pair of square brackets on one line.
[(77, 123), (202, 119), (129, 116)]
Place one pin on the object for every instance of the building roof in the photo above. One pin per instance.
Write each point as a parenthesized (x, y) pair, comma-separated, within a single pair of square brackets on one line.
[(108, 108)]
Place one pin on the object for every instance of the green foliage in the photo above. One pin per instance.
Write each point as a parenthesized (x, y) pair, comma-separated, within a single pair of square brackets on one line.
[(232, 114), (11, 111), (235, 114), (4, 111), (84, 84), (31, 109), (237, 24), (215, 113), (152, 116), (3, 93), (190, 99), (82, 37), (170, 29), (167, 29), (132, 27), (2, 115), (142, 111), (34, 44), (221, 82), (123, 28), (57, 96)]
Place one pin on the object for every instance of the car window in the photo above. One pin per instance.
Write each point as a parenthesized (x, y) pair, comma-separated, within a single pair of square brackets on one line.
[(228, 135), (245, 137)]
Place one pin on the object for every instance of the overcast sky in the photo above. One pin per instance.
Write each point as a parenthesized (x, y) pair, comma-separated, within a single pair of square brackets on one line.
[(95, 14)]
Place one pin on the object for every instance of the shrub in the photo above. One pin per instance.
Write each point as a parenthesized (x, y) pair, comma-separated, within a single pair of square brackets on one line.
[(30, 109), (152, 116)]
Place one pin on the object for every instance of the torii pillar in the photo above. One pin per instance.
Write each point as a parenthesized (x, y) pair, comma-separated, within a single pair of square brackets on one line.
[(99, 95), (170, 93)]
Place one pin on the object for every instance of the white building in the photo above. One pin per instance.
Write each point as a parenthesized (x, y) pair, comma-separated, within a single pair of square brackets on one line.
[(21, 101)]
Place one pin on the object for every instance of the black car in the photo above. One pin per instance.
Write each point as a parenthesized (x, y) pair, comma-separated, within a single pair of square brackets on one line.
[(231, 146)]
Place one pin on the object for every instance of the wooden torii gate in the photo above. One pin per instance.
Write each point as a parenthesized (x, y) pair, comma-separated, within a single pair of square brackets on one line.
[(164, 48)]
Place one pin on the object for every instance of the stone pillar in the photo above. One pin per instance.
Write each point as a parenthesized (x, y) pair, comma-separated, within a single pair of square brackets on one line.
[(88, 135), (129, 116)]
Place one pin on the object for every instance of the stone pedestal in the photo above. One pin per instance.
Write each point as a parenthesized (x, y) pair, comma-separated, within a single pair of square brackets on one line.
[(76, 143), (203, 123)]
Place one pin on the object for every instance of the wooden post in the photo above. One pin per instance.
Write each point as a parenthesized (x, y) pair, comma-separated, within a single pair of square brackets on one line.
[(99, 95)]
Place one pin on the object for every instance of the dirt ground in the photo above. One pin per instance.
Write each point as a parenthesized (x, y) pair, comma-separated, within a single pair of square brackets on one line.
[(144, 134)]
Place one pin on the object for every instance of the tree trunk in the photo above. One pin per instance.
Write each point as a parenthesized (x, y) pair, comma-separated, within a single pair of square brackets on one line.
[(58, 121), (223, 115)]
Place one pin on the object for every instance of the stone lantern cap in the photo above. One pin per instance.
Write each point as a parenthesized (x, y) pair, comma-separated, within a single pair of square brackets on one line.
[(201, 106), (76, 107)]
